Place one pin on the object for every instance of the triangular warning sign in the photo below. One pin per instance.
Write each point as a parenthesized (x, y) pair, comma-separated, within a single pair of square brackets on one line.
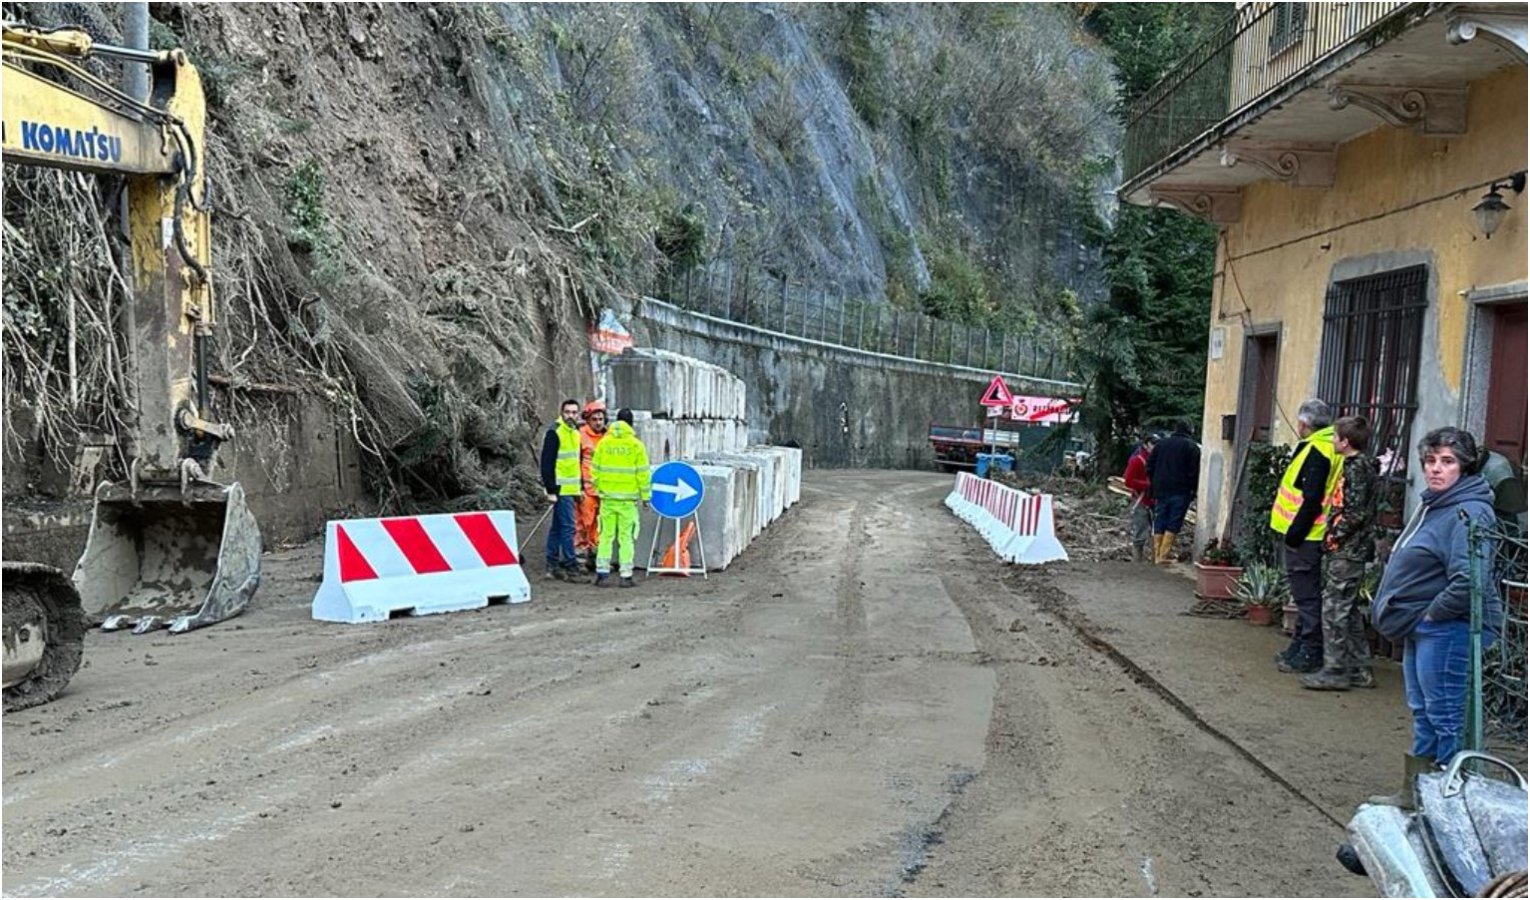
[(997, 394)]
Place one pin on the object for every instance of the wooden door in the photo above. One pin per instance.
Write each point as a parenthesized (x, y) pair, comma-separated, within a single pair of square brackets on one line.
[(1505, 430)]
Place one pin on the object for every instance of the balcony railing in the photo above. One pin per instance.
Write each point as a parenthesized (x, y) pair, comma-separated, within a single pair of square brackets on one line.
[(1259, 48)]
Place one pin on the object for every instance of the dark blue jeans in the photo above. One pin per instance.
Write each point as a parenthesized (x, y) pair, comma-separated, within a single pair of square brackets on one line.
[(560, 535), (1169, 512), (1436, 660)]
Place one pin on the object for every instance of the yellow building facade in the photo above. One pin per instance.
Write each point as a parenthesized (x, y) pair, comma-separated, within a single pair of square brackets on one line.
[(1351, 265)]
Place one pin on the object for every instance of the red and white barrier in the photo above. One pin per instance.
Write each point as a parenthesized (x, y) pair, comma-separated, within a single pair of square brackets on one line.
[(1016, 524), (375, 569)]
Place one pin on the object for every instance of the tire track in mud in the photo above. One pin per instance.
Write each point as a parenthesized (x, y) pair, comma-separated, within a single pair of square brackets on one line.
[(1086, 766), (1056, 604)]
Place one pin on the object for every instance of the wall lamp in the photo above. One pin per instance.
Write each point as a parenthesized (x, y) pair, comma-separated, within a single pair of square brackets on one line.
[(1490, 209)]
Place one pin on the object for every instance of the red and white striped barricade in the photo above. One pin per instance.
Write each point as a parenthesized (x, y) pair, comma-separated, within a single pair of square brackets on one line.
[(376, 569), (1018, 525)]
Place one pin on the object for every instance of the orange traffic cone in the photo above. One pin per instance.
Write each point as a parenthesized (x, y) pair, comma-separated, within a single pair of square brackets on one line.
[(682, 548)]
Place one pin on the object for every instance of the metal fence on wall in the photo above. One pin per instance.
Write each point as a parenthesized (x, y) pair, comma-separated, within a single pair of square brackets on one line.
[(1498, 708), (801, 310)]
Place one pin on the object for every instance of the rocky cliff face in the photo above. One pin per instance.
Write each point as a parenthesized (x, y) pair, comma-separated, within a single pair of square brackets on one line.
[(419, 206)]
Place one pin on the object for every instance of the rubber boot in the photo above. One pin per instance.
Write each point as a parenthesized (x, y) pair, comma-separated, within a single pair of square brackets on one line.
[(1137, 552), (603, 579), (1413, 766), (1165, 554), (1327, 680), (1362, 677), (627, 581)]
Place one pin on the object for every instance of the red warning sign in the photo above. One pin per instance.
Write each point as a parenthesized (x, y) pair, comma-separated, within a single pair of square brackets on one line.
[(997, 394)]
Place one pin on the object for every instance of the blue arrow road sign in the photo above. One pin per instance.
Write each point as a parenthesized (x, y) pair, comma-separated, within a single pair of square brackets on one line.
[(677, 490)]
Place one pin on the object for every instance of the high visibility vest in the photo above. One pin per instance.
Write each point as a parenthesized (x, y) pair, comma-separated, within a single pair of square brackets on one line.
[(1288, 498), (566, 469), (620, 465), (589, 439)]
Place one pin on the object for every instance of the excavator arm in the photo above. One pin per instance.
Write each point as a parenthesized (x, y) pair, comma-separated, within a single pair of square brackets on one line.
[(171, 547), (92, 126)]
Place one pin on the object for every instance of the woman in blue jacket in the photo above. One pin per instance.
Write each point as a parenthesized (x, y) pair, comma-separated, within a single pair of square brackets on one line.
[(1425, 598)]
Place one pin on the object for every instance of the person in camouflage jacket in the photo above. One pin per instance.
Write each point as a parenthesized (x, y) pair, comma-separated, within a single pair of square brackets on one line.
[(1349, 544)]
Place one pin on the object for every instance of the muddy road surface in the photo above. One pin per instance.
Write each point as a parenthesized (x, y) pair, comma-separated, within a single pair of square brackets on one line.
[(865, 704)]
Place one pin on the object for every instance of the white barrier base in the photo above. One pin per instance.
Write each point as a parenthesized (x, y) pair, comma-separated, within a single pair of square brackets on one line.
[(378, 600), (1007, 539)]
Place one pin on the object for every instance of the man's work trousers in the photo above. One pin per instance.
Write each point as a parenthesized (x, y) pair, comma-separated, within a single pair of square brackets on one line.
[(1344, 645), (619, 526), (1304, 571), (586, 522), (560, 536), (1142, 525)]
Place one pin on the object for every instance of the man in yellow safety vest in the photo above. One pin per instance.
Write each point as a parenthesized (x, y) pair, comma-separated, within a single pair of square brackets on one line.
[(622, 478), (1300, 517), (560, 478)]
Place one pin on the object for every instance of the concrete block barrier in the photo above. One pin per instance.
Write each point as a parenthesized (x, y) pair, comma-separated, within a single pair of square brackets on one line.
[(671, 439), (1018, 525), (375, 569), (718, 520), (672, 386)]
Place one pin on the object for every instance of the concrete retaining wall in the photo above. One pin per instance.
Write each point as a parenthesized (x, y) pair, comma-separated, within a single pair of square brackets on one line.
[(843, 407), (293, 479)]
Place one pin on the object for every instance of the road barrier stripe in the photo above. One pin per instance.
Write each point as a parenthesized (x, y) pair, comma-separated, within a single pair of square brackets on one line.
[(375, 569), (1017, 524)]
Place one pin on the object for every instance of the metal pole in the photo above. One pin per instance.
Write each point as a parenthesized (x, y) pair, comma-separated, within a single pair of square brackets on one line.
[(915, 351), (783, 304), (730, 293), (986, 335), (950, 343), (860, 324), (1474, 686), (842, 317)]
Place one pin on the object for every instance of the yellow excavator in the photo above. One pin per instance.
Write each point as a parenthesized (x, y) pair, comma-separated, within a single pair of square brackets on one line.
[(169, 547)]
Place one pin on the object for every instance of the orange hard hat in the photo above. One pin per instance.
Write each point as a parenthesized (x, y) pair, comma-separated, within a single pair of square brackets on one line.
[(594, 406)]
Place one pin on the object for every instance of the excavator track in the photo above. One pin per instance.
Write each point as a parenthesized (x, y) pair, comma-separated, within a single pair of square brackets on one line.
[(44, 633)]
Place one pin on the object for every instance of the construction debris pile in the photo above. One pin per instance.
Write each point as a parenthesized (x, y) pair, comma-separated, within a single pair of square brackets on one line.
[(1093, 522)]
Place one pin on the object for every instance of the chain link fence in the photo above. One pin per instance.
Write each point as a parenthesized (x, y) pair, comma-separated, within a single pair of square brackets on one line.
[(1498, 698), (801, 310)]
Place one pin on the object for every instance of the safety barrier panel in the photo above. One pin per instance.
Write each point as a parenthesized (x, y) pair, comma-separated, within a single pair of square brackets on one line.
[(376, 569), (1016, 524)]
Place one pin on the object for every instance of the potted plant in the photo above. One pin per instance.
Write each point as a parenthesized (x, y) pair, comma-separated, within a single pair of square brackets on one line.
[(1217, 571), (1262, 589)]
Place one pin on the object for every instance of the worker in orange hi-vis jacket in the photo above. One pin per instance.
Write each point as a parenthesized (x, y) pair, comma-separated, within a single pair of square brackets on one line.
[(587, 510)]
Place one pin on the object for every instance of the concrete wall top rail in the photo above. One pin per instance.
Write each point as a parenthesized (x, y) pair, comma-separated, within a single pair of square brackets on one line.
[(715, 328)]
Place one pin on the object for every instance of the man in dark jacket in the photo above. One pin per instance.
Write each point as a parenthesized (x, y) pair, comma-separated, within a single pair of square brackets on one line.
[(1174, 467), (561, 479), (1300, 516)]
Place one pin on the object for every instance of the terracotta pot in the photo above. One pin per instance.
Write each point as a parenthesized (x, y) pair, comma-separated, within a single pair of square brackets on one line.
[(1259, 615), (1290, 617), (1216, 582)]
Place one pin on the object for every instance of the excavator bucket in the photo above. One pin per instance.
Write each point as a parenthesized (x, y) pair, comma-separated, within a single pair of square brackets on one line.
[(44, 633), (168, 557)]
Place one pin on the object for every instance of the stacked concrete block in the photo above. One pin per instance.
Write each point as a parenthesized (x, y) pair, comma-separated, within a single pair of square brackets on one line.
[(686, 409), (668, 439), (718, 520), (671, 386)]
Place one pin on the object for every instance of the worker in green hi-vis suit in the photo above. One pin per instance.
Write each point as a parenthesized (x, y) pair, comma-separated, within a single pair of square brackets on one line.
[(620, 471)]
